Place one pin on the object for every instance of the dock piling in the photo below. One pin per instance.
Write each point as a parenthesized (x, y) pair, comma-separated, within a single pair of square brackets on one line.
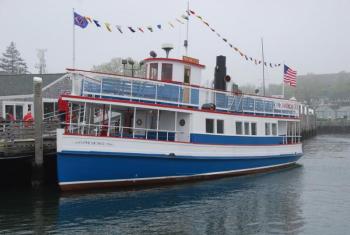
[(38, 132)]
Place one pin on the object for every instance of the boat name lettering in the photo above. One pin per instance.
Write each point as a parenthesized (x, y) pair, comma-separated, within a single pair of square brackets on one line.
[(89, 142)]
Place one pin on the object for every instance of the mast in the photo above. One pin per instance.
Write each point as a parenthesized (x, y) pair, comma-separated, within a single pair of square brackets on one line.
[(263, 64), (187, 27), (73, 41), (283, 82)]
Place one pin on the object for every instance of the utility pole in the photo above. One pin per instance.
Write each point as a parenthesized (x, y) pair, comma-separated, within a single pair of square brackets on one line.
[(41, 66)]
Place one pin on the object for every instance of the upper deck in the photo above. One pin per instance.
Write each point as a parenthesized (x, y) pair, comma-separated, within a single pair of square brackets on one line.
[(104, 85)]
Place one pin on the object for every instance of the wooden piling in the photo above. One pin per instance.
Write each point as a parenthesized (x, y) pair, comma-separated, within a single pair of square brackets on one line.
[(37, 174)]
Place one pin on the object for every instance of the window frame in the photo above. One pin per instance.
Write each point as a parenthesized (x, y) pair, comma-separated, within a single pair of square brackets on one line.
[(222, 125), (166, 78), (212, 127), (274, 130), (151, 69), (240, 132), (246, 124), (267, 128), (251, 128), (187, 76)]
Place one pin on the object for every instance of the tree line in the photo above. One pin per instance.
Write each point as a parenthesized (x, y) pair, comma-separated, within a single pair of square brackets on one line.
[(312, 87), (11, 61)]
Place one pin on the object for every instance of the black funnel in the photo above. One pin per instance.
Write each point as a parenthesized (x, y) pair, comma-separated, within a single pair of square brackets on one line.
[(220, 73)]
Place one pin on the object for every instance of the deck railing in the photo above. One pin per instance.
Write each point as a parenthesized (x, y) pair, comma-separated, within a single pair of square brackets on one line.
[(136, 89), (120, 131)]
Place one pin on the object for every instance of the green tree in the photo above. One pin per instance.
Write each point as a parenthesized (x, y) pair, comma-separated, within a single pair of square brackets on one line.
[(11, 61)]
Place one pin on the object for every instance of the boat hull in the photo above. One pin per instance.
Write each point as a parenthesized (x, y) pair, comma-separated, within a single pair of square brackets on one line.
[(84, 170)]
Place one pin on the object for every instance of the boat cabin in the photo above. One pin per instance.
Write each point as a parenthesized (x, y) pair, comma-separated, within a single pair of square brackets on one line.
[(186, 70)]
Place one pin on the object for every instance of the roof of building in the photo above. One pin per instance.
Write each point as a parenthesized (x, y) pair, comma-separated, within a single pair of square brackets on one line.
[(22, 84)]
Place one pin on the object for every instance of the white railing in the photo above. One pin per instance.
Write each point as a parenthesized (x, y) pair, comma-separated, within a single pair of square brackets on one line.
[(137, 89), (120, 131)]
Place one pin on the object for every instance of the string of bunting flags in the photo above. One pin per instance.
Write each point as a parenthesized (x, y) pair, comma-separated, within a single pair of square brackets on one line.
[(84, 21), (236, 49)]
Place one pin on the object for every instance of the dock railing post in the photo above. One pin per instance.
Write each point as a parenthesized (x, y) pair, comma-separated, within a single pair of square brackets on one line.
[(38, 132)]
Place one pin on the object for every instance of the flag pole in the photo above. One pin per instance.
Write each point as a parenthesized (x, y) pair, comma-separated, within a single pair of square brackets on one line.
[(73, 41), (283, 82), (263, 64), (188, 23)]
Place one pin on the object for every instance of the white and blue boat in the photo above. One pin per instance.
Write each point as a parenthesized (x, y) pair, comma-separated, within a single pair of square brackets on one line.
[(166, 127)]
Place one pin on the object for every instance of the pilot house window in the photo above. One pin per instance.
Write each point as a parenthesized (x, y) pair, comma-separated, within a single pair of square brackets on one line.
[(187, 74), (153, 71), (167, 72)]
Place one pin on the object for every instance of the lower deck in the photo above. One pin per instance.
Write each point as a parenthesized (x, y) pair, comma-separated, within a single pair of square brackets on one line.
[(88, 117)]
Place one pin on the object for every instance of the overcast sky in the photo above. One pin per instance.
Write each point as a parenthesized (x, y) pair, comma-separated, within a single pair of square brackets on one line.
[(311, 36)]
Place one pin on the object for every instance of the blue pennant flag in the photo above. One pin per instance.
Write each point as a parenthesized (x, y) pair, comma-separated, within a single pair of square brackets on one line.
[(80, 20), (96, 23)]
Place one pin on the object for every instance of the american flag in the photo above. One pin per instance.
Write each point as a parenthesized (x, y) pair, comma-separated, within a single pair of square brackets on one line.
[(290, 76)]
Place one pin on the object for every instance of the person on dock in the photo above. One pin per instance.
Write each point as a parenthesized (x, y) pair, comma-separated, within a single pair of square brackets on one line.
[(28, 119), (10, 117)]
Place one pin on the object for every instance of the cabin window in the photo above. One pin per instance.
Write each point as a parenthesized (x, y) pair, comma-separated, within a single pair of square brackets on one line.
[(167, 72), (246, 128), (239, 128), (220, 126), (153, 71), (274, 129), (253, 128), (209, 125), (187, 74), (267, 129)]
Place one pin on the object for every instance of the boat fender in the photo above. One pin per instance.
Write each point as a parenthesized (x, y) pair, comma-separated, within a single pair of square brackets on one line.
[(172, 155)]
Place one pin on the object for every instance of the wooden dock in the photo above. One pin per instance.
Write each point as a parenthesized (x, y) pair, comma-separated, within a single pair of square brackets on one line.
[(17, 139), (308, 125), (333, 125)]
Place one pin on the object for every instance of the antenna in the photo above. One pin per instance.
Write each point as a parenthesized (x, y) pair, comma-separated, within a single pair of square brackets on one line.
[(41, 66), (167, 47)]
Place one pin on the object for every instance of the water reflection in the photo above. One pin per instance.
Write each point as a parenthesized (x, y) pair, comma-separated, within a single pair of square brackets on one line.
[(26, 210), (268, 203), (310, 199)]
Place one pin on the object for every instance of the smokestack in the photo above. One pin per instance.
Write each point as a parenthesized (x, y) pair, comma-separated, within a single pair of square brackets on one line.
[(220, 73)]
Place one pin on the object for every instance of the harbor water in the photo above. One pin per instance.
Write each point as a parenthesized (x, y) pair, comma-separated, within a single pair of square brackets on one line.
[(311, 198)]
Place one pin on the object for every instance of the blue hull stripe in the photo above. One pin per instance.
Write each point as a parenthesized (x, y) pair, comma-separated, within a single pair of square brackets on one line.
[(240, 140), (92, 166)]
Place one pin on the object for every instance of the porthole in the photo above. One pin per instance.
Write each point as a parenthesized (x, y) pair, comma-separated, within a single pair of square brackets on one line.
[(139, 122), (182, 122)]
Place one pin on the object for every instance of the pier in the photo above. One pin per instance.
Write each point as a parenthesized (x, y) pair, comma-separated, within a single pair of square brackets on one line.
[(333, 125)]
